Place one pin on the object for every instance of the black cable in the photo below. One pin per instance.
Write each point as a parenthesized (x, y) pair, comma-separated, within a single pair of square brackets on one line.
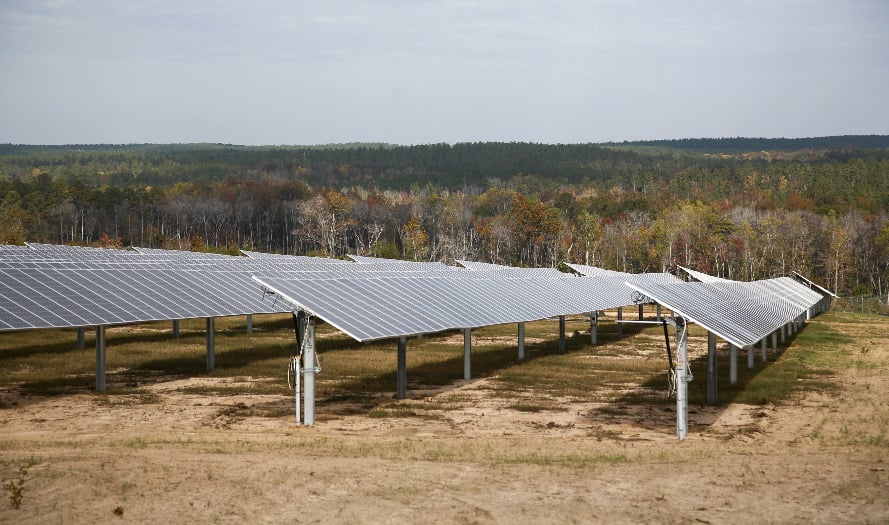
[(667, 339), (299, 327)]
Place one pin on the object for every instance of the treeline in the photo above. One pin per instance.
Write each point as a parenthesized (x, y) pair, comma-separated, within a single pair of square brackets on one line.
[(821, 213), (747, 144), (470, 166)]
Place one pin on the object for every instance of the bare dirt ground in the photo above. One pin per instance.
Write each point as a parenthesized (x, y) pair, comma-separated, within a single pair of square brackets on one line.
[(163, 456)]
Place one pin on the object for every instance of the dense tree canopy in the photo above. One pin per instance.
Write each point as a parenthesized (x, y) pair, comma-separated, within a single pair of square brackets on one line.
[(740, 208)]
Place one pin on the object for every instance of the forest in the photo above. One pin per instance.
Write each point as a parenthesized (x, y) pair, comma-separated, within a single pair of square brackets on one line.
[(742, 208)]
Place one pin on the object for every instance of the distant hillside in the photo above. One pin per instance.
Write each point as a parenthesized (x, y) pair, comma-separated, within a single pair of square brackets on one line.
[(746, 144), (46, 149), (531, 166)]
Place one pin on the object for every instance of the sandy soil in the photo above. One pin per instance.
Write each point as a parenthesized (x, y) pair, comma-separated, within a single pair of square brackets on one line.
[(164, 456)]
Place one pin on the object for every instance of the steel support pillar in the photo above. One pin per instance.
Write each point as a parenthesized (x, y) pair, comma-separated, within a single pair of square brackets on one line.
[(764, 345), (620, 321), (467, 353), (711, 368), (176, 328), (100, 359), (749, 356), (309, 372), (782, 333), (594, 327), (401, 376), (681, 378), (521, 341), (81, 334), (211, 344), (641, 313), (733, 365), (658, 313), (249, 323), (561, 334)]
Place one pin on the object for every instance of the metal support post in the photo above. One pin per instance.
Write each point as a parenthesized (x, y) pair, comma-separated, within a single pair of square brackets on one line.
[(297, 388), (100, 359), (211, 344), (681, 378), (781, 334), (176, 328), (249, 323), (733, 365), (594, 327), (561, 334), (521, 341), (659, 313), (401, 376), (749, 356), (641, 313), (620, 319), (81, 333), (711, 368), (467, 353), (309, 372)]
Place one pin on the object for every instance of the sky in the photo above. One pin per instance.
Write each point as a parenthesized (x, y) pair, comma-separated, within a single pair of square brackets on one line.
[(268, 72)]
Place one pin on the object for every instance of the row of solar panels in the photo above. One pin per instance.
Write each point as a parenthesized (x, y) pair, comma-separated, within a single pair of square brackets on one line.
[(742, 313), (47, 286)]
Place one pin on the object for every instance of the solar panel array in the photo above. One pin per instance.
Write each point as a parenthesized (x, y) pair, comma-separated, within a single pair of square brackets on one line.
[(740, 313), (58, 287), (49, 286)]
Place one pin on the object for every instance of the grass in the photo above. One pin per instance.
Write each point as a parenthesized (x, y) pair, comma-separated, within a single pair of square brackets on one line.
[(535, 406)]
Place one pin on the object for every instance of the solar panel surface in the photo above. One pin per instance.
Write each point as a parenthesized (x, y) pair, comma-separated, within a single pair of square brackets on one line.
[(740, 313)]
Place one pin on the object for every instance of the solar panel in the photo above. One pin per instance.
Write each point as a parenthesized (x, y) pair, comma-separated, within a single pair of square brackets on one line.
[(60, 298), (784, 287), (418, 265), (368, 308), (812, 285), (702, 277), (740, 313), (512, 271), (293, 258)]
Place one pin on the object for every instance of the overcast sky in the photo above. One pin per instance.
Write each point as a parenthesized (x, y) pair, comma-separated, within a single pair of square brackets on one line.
[(412, 72)]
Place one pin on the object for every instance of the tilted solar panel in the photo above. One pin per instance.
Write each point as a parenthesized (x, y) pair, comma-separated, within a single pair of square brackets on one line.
[(740, 313), (368, 308)]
